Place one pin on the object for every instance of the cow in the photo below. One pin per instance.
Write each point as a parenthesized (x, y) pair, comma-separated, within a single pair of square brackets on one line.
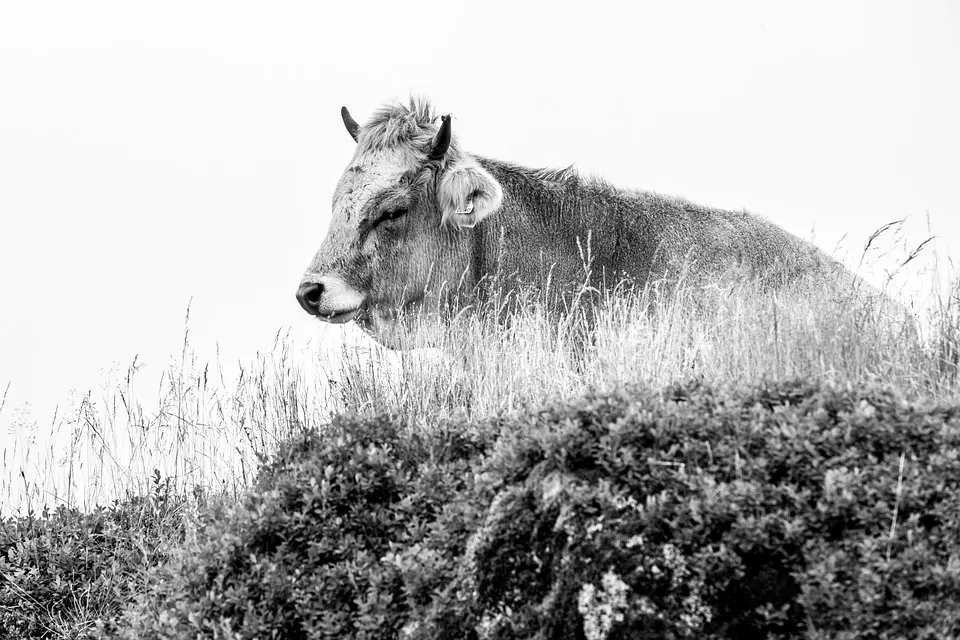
[(418, 221)]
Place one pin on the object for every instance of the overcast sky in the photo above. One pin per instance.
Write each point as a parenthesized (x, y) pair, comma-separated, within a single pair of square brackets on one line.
[(150, 154)]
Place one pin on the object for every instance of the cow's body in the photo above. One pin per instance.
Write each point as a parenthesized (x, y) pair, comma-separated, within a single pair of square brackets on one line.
[(417, 219), (557, 224)]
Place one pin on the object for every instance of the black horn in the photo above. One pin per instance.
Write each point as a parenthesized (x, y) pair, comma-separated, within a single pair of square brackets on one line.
[(351, 124), (442, 141)]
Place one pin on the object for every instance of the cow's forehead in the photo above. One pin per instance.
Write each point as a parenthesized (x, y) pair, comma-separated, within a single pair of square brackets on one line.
[(368, 175)]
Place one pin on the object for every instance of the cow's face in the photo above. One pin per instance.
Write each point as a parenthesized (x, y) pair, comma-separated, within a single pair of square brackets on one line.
[(395, 242)]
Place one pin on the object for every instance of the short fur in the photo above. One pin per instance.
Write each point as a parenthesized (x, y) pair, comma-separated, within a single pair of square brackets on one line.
[(640, 235)]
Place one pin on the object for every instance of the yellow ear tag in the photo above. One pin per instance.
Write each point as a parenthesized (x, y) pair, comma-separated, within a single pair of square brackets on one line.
[(465, 208)]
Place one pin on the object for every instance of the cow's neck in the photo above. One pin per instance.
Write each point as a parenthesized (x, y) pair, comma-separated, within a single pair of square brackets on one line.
[(553, 228)]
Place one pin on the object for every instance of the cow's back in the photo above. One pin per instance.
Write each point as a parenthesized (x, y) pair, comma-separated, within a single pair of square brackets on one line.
[(708, 244), (576, 230)]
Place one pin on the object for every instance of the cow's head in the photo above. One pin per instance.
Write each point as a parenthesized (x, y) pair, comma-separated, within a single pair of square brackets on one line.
[(396, 239)]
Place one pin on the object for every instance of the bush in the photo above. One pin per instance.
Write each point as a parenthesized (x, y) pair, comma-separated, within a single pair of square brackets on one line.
[(778, 512), (788, 511), (65, 572), (305, 556)]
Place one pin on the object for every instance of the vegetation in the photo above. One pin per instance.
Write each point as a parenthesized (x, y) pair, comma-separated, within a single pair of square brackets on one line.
[(770, 512), (756, 466), (62, 571)]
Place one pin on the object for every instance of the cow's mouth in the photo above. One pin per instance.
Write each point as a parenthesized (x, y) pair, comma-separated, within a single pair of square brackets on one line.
[(339, 317)]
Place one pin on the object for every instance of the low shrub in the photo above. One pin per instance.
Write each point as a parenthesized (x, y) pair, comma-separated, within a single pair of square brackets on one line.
[(796, 510), (790, 511), (65, 573), (304, 557)]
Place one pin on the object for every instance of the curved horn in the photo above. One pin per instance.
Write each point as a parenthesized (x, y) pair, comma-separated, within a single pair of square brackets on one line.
[(442, 141), (352, 127)]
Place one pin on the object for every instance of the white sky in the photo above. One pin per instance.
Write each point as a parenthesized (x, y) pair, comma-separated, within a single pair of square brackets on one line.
[(153, 153)]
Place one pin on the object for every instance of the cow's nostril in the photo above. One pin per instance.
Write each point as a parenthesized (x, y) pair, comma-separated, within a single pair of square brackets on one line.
[(313, 294), (308, 295)]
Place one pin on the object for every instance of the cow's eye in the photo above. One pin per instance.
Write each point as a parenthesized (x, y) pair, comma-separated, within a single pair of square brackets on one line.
[(392, 214)]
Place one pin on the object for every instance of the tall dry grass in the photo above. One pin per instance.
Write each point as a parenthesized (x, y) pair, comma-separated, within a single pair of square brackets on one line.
[(200, 431), (481, 365), (206, 431)]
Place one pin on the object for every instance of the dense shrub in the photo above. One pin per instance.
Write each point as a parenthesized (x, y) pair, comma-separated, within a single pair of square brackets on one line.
[(65, 572), (306, 556), (780, 512)]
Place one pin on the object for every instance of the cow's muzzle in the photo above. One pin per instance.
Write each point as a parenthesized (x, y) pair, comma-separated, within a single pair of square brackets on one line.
[(309, 294)]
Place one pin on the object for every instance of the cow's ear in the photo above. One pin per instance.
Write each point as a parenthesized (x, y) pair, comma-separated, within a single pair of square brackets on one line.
[(468, 194)]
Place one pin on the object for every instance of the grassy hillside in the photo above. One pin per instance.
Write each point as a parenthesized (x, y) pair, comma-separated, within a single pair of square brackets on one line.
[(442, 506)]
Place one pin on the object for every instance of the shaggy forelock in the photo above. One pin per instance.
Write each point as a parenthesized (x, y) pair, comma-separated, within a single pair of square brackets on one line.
[(407, 127)]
